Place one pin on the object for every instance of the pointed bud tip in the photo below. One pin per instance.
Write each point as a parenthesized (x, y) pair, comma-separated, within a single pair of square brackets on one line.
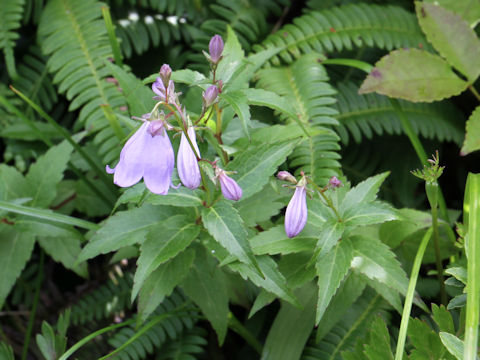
[(210, 95), (215, 48)]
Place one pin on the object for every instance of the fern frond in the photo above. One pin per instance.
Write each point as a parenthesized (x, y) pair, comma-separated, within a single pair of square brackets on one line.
[(169, 328), (35, 81), (10, 17), (364, 115), (103, 302), (343, 28), (33, 11), (185, 346), (76, 39), (305, 85)]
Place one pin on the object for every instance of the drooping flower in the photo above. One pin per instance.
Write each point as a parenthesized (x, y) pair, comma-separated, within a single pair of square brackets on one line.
[(148, 154), (164, 94), (296, 214), (215, 48), (210, 96), (187, 164), (230, 189)]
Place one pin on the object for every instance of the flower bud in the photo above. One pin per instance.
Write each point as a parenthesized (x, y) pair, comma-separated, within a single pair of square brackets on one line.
[(210, 96), (286, 176), (165, 73), (296, 214), (215, 48), (230, 189), (155, 127), (334, 182), (187, 164)]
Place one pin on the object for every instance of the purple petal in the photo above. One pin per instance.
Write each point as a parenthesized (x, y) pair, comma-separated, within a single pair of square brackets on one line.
[(187, 164), (158, 87), (159, 163), (130, 168), (296, 215), (230, 189), (109, 170)]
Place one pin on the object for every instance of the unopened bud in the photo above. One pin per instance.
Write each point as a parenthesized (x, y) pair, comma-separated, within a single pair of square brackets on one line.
[(210, 96), (334, 182), (286, 176), (230, 189), (215, 48), (165, 73)]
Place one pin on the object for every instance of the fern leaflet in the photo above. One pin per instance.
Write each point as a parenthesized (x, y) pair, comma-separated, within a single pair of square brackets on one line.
[(10, 17)]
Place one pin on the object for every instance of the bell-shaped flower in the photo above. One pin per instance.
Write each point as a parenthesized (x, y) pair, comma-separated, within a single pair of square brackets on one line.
[(230, 189), (296, 214), (187, 164), (148, 154)]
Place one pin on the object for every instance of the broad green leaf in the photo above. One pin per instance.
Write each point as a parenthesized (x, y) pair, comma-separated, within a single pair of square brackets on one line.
[(263, 299), (469, 10), (453, 344), (226, 226), (452, 37), (443, 318), (162, 281), (389, 294), (414, 75), (427, 343), (124, 228), (185, 76), (137, 95), (65, 251), (366, 191), (329, 235), (368, 214), (409, 222), (270, 99), (291, 328), (23, 131), (273, 280), (86, 201), (275, 241), (205, 284), (46, 173), (296, 275), (232, 57), (331, 269), (163, 242), (376, 261), (238, 101), (256, 165), (379, 346), (472, 133), (12, 183), (16, 248), (460, 273)]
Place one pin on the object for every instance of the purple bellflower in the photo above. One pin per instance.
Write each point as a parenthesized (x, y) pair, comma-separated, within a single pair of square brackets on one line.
[(148, 154), (215, 48), (187, 164), (164, 94), (296, 214), (230, 189)]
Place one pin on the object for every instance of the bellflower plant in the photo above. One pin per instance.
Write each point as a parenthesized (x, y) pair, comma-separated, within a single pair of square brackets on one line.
[(230, 189), (215, 48), (148, 154), (187, 164), (296, 214)]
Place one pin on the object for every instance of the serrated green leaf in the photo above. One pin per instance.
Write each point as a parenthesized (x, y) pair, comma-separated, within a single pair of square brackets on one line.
[(292, 326), (124, 228), (366, 191), (296, 275), (271, 100), (426, 342), (226, 226), (232, 57), (331, 268), (330, 233), (409, 221), (187, 76), (452, 37), (472, 133), (16, 248), (238, 101), (273, 280), (163, 242), (263, 299), (206, 286), (443, 318), (275, 241), (65, 251), (44, 176), (413, 75), (257, 164), (453, 344), (12, 183), (162, 281), (379, 346), (468, 10), (368, 214), (376, 261), (87, 201), (389, 294)]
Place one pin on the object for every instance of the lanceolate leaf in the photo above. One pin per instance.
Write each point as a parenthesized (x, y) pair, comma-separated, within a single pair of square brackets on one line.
[(12, 183), (226, 226), (452, 37), (414, 75), (472, 133), (365, 191), (164, 241), (16, 248), (162, 281), (331, 269), (275, 241), (65, 251), (238, 101), (271, 100), (368, 214), (255, 166)]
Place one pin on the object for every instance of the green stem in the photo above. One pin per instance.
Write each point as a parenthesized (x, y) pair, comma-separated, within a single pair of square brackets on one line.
[(31, 320), (327, 200), (47, 142), (438, 259), (100, 172), (117, 55), (407, 308), (86, 339), (474, 91), (241, 330)]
